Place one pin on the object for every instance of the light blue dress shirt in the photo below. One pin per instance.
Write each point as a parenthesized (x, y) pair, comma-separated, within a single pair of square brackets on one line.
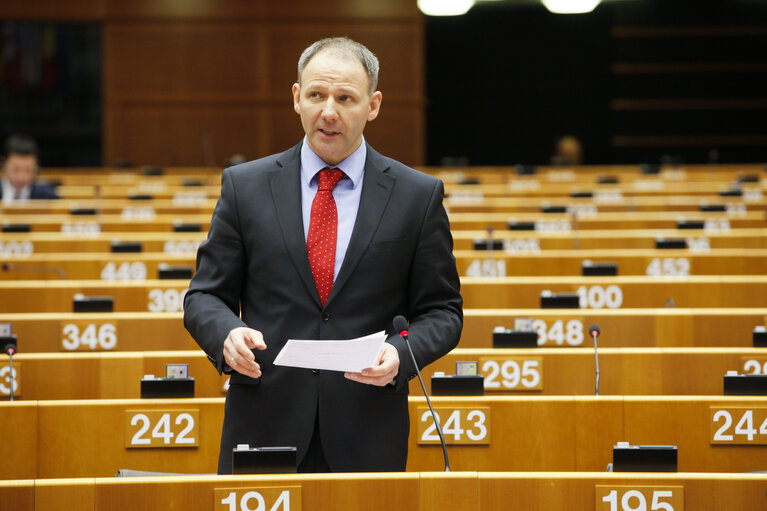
[(346, 193)]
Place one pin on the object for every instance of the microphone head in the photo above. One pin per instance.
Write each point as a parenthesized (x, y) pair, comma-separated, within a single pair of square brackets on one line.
[(594, 330), (400, 325)]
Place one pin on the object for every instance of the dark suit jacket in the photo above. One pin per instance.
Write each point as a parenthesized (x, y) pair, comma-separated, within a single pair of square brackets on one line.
[(255, 263), (39, 191)]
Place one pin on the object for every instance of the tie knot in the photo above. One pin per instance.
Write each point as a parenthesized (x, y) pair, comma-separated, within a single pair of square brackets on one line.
[(329, 178)]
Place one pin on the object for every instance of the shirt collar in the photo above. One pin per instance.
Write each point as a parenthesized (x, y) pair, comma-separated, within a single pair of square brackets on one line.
[(353, 166)]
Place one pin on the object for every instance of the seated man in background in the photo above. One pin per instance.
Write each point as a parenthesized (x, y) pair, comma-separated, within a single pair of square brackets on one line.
[(19, 171), (568, 151)]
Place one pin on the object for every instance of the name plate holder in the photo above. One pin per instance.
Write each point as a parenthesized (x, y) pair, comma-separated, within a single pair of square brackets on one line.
[(592, 269), (167, 272), (82, 303), (480, 244), (166, 388), (760, 337), (551, 300), (515, 339), (123, 247), (264, 460), (457, 385), (745, 384), (644, 458), (670, 244)]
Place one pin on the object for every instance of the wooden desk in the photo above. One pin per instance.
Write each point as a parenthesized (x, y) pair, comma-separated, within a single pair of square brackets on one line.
[(476, 202), (629, 292), (551, 371), (474, 263), (532, 241), (77, 226), (56, 295), (424, 491), (529, 186), (95, 265), (21, 245), (623, 371), (546, 222), (526, 433), (667, 327), (632, 261), (47, 332), (508, 292)]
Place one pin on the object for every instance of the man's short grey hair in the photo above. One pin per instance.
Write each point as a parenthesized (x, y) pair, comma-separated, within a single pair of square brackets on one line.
[(344, 47)]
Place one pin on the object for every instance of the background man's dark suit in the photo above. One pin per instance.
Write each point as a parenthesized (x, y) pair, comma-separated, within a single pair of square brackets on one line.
[(39, 191), (399, 261)]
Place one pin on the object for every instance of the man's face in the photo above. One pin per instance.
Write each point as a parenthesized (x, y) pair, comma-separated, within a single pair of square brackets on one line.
[(20, 169), (334, 104)]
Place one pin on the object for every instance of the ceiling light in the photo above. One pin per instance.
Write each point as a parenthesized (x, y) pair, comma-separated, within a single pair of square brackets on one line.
[(570, 6), (445, 7)]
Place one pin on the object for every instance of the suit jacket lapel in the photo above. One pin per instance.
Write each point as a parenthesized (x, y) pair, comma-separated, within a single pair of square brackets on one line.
[(376, 190), (286, 194)]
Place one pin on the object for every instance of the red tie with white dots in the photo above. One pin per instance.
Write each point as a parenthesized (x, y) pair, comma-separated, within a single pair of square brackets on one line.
[(323, 229)]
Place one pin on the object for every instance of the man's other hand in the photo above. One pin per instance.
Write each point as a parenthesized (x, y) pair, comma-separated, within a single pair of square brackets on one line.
[(237, 350), (383, 371)]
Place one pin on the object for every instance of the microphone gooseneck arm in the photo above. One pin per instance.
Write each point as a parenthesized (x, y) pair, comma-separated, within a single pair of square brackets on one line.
[(594, 331), (400, 325)]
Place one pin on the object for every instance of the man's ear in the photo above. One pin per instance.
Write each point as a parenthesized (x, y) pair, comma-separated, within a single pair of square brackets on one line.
[(375, 104), (296, 89)]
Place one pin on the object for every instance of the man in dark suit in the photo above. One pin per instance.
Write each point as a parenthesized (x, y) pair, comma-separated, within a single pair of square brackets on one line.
[(300, 249), (19, 171)]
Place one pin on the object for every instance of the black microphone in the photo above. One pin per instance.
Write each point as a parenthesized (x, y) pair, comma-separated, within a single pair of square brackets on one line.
[(594, 332), (400, 326), (10, 349)]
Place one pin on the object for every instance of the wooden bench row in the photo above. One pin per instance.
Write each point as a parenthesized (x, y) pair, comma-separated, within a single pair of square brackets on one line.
[(477, 203), (474, 263), (465, 491), (532, 187), (516, 186), (21, 245), (50, 332), (95, 438), (702, 291), (627, 220), (712, 221), (466, 202), (551, 372)]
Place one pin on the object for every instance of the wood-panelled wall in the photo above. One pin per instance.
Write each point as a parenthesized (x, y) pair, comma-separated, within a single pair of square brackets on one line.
[(192, 82)]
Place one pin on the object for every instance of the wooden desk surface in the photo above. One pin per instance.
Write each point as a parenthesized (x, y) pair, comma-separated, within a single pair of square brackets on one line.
[(619, 292), (88, 438), (701, 291), (625, 220), (534, 372), (665, 327), (475, 263), (533, 241), (675, 327), (424, 491), (21, 245)]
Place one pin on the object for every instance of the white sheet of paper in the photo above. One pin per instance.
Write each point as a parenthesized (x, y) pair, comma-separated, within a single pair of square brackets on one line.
[(352, 355)]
